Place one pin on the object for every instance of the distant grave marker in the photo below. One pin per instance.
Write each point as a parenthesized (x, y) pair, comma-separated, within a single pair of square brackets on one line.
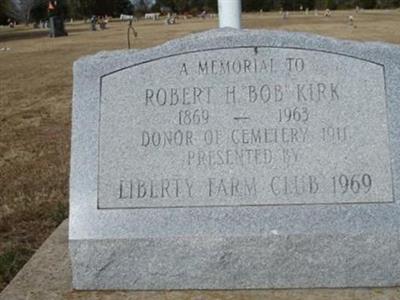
[(93, 23), (152, 16), (56, 23)]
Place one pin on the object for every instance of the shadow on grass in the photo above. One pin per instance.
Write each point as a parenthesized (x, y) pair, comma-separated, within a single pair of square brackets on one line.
[(19, 35), (33, 33)]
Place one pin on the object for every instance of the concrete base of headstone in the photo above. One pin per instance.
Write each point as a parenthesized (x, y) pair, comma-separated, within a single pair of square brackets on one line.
[(277, 261), (47, 276)]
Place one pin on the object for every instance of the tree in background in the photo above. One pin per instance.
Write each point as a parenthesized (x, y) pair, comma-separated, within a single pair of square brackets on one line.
[(167, 3), (28, 10), (256, 5), (211, 5), (40, 10), (25, 8), (123, 7), (191, 6), (196, 6), (367, 4), (155, 7), (112, 7), (79, 9), (5, 11), (140, 7)]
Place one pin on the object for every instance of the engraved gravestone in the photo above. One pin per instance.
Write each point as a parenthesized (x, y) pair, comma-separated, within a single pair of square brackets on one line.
[(236, 159)]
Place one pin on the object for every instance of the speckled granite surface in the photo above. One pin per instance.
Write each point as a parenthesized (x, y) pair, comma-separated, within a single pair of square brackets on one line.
[(154, 218), (47, 276)]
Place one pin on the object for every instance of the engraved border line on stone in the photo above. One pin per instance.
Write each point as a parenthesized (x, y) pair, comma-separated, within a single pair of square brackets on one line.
[(244, 205)]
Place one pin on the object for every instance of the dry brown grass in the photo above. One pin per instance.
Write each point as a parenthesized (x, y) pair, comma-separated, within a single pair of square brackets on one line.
[(35, 105)]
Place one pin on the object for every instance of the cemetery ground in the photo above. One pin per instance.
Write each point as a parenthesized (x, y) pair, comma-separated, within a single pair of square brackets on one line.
[(35, 108)]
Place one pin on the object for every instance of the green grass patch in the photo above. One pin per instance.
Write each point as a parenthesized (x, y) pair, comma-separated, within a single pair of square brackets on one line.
[(11, 261)]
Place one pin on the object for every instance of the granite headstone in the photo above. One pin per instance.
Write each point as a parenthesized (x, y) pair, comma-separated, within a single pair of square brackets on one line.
[(57, 27), (237, 159)]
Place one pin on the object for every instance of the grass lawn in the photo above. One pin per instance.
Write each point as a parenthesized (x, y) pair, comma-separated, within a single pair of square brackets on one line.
[(35, 108)]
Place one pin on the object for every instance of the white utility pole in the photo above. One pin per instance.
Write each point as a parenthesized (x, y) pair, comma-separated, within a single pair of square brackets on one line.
[(229, 13)]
